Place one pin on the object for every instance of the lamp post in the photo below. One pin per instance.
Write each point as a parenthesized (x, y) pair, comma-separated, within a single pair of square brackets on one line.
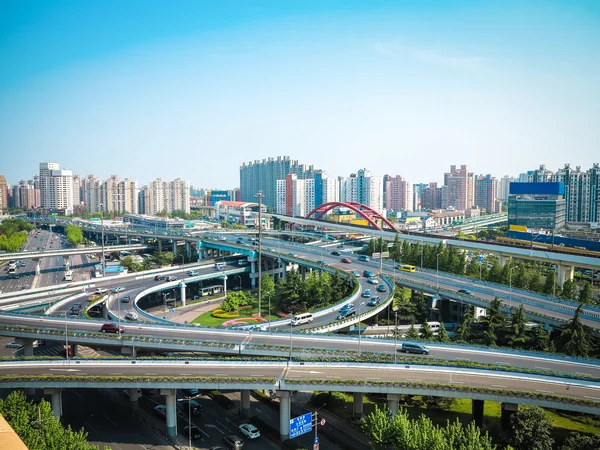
[(66, 338), (359, 333), (189, 400), (259, 195), (119, 316), (224, 278), (165, 295), (395, 334), (437, 272), (510, 285), (421, 255), (290, 336), (269, 313), (102, 261)]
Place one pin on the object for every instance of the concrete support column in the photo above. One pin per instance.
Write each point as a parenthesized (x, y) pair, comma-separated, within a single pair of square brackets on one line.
[(507, 410), (171, 403), (253, 270), (503, 259), (174, 247), (27, 347), (38, 268), (477, 410), (182, 287), (133, 398), (104, 311), (55, 401), (159, 242), (73, 349), (284, 415), (358, 405), (303, 273), (188, 250), (393, 402), (565, 273), (245, 394)]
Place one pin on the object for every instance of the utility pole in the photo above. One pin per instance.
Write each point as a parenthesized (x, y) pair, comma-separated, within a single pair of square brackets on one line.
[(259, 195)]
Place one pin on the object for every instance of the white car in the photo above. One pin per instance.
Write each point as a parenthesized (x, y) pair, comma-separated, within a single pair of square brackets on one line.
[(131, 316), (249, 431), (100, 291)]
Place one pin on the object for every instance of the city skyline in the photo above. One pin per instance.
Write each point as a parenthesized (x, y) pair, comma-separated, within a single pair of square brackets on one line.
[(339, 84)]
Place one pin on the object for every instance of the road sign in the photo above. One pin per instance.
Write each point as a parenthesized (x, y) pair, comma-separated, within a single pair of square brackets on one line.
[(300, 425), (323, 422), (316, 440)]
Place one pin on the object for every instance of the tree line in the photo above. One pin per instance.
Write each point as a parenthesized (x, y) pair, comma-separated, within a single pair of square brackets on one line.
[(13, 234)]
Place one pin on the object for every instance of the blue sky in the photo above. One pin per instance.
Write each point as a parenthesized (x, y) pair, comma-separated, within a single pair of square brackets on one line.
[(191, 89)]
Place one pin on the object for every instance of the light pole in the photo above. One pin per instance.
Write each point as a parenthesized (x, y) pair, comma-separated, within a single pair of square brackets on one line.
[(259, 195), (359, 333), (510, 286), (102, 261), (189, 400), (66, 339), (437, 272), (395, 334), (269, 313), (224, 278), (421, 255), (119, 316), (165, 295), (291, 336)]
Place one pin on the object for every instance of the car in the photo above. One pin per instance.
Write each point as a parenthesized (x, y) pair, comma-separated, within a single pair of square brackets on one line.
[(195, 408), (364, 258), (15, 276), (346, 260), (249, 431), (368, 274), (117, 289), (190, 392), (336, 253), (222, 238), (366, 293), (159, 277), (321, 262), (171, 278), (409, 347), (193, 431), (293, 254), (345, 314), (111, 327), (233, 442), (239, 241), (100, 291), (126, 299), (372, 280), (14, 345), (374, 301), (355, 273), (347, 307), (193, 273), (465, 291), (131, 316), (161, 410), (381, 288)]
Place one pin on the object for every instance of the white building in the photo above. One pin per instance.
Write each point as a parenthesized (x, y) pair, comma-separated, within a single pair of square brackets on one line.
[(295, 197), (112, 195), (56, 188), (167, 196), (363, 188), (241, 213)]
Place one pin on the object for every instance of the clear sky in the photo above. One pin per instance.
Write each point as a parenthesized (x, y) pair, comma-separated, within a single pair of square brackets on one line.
[(191, 89)]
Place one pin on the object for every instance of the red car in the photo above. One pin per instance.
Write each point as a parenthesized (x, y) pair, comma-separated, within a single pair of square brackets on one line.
[(346, 260), (112, 328)]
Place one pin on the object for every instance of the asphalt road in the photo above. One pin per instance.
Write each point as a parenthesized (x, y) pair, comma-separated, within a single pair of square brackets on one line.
[(308, 372)]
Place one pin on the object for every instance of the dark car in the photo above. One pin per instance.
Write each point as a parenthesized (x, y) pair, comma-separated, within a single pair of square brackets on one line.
[(335, 253), (158, 277), (171, 278), (192, 431), (112, 328), (374, 301), (126, 299), (346, 260), (465, 291), (233, 442), (381, 288)]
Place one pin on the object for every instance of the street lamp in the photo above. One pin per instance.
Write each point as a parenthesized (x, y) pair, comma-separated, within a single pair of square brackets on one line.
[(66, 339), (224, 278), (510, 285), (359, 333), (395, 334), (259, 195), (103, 261), (437, 272), (189, 400), (165, 295), (269, 313), (291, 336)]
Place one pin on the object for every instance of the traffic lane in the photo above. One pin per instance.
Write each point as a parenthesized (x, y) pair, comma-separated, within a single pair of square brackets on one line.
[(490, 356), (106, 424), (308, 373)]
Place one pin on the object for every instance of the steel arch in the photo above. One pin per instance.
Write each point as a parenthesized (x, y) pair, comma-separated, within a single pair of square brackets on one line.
[(368, 213)]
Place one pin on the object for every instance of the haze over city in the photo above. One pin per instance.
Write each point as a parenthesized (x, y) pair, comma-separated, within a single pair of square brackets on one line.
[(146, 90)]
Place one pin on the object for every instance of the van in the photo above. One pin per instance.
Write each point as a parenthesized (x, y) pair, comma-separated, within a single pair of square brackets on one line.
[(409, 347), (363, 258), (368, 274), (302, 318)]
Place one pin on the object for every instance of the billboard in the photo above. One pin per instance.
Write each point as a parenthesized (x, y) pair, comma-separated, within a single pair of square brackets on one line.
[(548, 188)]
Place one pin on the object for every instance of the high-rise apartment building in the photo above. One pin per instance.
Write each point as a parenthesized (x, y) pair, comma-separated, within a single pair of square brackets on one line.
[(485, 194), (459, 192), (295, 197), (327, 189), (398, 194), (432, 197), (263, 175), (418, 189), (167, 196), (504, 187), (363, 188), (56, 188), (3, 194)]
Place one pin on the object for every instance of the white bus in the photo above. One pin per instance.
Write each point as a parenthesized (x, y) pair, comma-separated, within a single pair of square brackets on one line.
[(69, 275)]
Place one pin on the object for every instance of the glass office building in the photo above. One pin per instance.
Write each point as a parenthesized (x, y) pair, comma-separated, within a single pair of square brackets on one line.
[(537, 205)]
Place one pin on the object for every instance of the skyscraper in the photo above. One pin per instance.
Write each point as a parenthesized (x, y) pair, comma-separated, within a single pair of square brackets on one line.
[(460, 187), (56, 188), (167, 196), (399, 194), (485, 193), (263, 175), (363, 188), (3, 194)]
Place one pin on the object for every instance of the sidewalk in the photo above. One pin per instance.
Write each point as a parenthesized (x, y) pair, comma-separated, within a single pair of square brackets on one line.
[(185, 314)]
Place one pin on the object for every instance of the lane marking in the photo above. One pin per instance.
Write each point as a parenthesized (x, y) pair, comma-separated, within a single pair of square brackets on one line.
[(185, 374), (115, 373), (593, 398), (151, 373), (221, 374), (542, 368), (498, 385), (545, 392)]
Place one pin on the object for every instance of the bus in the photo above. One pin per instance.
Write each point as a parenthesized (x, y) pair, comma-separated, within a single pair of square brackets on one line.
[(407, 268), (69, 275)]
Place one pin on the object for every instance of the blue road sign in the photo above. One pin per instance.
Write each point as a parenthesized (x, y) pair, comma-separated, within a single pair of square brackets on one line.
[(300, 425), (316, 440)]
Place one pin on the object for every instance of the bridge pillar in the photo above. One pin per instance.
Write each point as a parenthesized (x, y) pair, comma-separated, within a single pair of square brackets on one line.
[(477, 410), (507, 410), (245, 394), (284, 415), (188, 250), (55, 401), (134, 395), (159, 242), (104, 311), (73, 349), (564, 273), (174, 247), (358, 405), (171, 402), (182, 287), (38, 268), (393, 402), (27, 347), (253, 267), (503, 259)]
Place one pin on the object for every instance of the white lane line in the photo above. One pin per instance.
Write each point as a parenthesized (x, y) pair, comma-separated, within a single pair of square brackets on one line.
[(593, 398), (372, 378), (582, 373), (90, 427), (151, 373), (115, 373), (501, 363), (542, 368), (221, 374), (185, 374), (457, 382), (498, 385), (545, 392), (331, 376), (113, 423)]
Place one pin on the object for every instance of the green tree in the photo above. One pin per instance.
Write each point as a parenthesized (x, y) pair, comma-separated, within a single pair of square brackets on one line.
[(540, 339), (230, 304), (421, 309), (463, 332), (569, 290), (578, 441), (163, 258), (425, 331), (535, 281), (267, 286), (585, 294), (517, 336), (443, 334), (549, 283), (530, 429), (74, 234), (412, 332), (575, 339), (379, 428)]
